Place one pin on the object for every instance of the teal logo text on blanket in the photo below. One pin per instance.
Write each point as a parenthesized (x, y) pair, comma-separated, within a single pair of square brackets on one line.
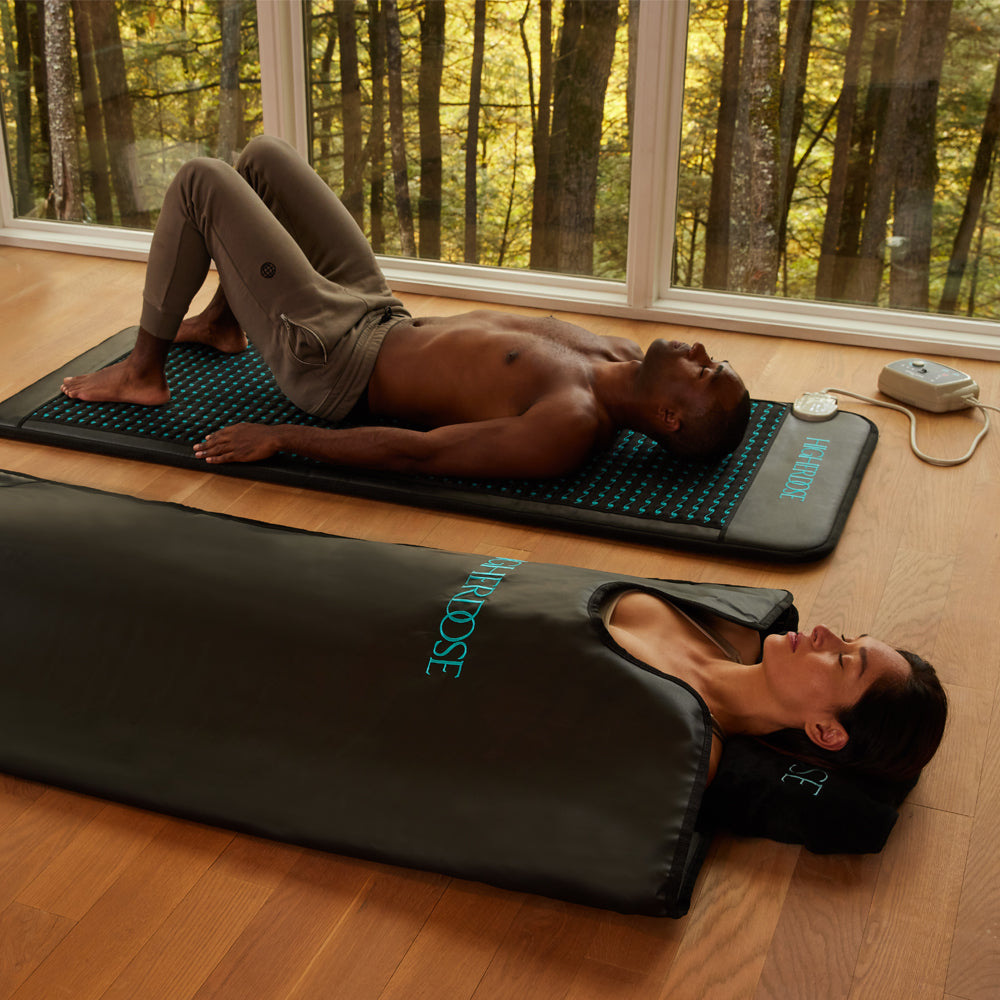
[(459, 619)]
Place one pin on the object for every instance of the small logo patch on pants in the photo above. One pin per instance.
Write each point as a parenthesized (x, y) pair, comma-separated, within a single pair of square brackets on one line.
[(268, 270)]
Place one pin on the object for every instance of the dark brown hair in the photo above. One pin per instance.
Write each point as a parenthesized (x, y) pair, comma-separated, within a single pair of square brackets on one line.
[(711, 434), (893, 730)]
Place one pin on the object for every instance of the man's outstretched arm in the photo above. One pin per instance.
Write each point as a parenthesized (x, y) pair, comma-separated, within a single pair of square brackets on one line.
[(545, 441)]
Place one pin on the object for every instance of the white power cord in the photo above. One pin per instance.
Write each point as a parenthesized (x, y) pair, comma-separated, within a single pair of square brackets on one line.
[(971, 401)]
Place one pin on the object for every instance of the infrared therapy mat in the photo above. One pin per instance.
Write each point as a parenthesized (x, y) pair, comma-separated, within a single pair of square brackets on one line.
[(458, 713), (784, 494)]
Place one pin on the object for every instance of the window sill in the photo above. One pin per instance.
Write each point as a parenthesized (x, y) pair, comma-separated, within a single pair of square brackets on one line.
[(817, 321)]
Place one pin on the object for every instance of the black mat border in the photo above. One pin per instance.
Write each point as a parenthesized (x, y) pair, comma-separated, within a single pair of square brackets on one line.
[(14, 422)]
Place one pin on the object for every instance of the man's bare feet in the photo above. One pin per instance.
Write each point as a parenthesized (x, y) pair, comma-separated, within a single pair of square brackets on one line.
[(118, 383), (229, 339), (215, 326), (138, 378)]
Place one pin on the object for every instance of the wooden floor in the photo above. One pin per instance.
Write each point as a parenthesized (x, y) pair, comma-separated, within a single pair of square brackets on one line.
[(102, 901)]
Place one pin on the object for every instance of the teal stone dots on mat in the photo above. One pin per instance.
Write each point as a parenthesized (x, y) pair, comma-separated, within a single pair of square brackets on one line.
[(768, 418), (212, 390)]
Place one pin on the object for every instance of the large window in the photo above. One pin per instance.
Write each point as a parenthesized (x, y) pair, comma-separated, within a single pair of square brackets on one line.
[(491, 133), (843, 151), (103, 101), (819, 169)]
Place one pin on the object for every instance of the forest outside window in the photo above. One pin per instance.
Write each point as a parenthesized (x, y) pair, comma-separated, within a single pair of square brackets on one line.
[(102, 102), (797, 167), (843, 151), (494, 133)]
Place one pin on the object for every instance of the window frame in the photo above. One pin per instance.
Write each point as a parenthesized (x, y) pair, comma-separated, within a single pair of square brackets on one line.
[(646, 294)]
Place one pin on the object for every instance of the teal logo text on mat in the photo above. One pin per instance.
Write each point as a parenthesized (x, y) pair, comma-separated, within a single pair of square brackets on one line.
[(804, 469)]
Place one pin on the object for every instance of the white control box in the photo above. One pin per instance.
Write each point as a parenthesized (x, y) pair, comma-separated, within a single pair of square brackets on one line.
[(815, 406), (928, 385)]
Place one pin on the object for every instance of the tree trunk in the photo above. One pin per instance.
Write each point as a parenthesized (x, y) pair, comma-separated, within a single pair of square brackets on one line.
[(793, 88), (472, 132), (230, 100), (581, 81), (35, 22), (716, 271), (548, 259), (917, 169), (889, 146), (509, 214), (397, 142), (376, 198), (117, 107), (67, 200), (869, 132), (97, 172), (429, 94), (191, 104), (19, 76), (978, 180), (633, 62), (352, 194), (847, 107), (540, 139), (758, 210), (970, 309), (324, 26)]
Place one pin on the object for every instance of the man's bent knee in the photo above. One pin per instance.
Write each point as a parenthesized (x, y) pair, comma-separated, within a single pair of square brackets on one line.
[(260, 151), (199, 170)]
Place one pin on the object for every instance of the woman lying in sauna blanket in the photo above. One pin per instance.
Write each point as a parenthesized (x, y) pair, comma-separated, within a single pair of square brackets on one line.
[(860, 702), (540, 727)]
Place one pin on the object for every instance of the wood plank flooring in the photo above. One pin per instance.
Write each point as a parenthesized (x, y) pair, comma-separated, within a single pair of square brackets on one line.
[(102, 901)]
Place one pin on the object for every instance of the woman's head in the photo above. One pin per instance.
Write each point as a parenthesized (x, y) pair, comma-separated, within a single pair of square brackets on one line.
[(895, 727), (859, 702)]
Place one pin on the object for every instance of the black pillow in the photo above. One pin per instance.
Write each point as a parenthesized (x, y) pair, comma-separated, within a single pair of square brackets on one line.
[(759, 792)]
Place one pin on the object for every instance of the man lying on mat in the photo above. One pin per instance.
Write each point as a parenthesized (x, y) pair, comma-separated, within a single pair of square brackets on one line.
[(500, 394)]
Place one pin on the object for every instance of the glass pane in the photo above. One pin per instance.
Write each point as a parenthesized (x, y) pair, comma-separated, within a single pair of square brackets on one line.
[(105, 101), (843, 151), (477, 132)]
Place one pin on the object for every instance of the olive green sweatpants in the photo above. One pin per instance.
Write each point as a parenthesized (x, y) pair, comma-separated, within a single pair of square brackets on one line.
[(299, 275)]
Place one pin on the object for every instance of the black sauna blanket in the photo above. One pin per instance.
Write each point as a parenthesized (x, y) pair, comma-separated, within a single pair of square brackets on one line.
[(459, 713)]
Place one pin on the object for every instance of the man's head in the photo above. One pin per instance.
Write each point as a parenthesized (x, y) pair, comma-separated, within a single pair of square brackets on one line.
[(692, 405)]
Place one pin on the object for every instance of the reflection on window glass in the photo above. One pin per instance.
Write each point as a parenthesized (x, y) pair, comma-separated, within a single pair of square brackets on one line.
[(103, 101), (492, 133), (843, 151)]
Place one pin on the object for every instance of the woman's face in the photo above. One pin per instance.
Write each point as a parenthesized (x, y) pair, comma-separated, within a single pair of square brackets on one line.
[(820, 672)]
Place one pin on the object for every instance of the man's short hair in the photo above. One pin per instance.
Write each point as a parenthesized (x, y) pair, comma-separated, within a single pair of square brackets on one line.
[(712, 433)]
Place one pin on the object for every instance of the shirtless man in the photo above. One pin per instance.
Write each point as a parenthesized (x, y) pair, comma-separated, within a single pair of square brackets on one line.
[(500, 394)]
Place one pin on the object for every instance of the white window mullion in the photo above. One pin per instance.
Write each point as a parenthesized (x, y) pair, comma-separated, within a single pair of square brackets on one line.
[(659, 99), (6, 187), (281, 36)]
